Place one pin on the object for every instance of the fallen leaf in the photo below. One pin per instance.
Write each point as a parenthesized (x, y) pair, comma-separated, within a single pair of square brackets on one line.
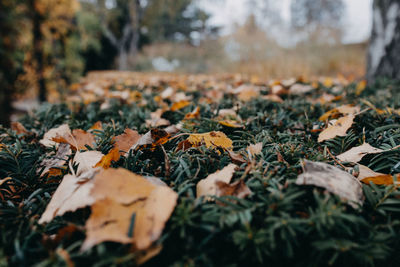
[(179, 105), (106, 160), (254, 149), (195, 114), (384, 179), (86, 161), (152, 139), (208, 185), (97, 126), (332, 179), (238, 189), (299, 89), (125, 141), (339, 128), (62, 130), (344, 110), (236, 157), (355, 154), (18, 128), (110, 221), (364, 172), (231, 124), (361, 87), (121, 185), (2, 181), (52, 164), (213, 140), (71, 194), (273, 98), (152, 216), (78, 139), (246, 93), (156, 120)]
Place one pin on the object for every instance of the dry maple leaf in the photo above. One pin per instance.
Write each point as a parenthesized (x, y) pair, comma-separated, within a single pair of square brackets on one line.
[(254, 149), (125, 141), (71, 194), (344, 110), (152, 216), (152, 139), (86, 161), (339, 128), (78, 139), (208, 185), (18, 128), (332, 179), (62, 130), (128, 208), (212, 140), (121, 185), (238, 189), (52, 164), (355, 154)]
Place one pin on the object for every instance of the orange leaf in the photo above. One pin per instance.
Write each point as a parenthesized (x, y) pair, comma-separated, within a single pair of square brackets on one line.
[(106, 160), (125, 141), (179, 105), (385, 179), (195, 114)]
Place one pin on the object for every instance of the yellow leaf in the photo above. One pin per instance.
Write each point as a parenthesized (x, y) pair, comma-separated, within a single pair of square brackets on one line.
[(179, 105), (213, 140), (231, 124), (339, 128), (361, 87)]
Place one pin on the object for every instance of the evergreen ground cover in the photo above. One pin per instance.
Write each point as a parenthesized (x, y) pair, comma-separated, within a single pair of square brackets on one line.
[(280, 223)]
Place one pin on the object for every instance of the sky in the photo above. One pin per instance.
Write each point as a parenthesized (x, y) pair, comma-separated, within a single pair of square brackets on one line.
[(357, 18)]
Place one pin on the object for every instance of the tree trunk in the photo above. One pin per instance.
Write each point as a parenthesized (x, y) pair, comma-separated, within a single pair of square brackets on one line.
[(37, 20), (384, 47)]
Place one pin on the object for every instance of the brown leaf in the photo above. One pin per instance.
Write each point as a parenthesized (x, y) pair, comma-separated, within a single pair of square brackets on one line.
[(332, 179), (61, 131), (208, 185), (355, 154), (18, 128), (273, 98), (97, 126), (238, 189), (152, 139), (121, 185), (344, 110), (152, 216), (109, 221), (78, 139), (339, 128), (236, 157), (125, 141), (52, 164)]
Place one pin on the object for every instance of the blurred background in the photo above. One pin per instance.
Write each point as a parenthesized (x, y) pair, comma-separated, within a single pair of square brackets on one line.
[(47, 45)]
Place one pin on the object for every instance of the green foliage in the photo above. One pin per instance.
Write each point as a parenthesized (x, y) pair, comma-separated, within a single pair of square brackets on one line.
[(280, 224)]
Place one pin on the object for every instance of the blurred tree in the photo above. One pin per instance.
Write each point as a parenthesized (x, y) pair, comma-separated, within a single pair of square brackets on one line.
[(10, 57), (128, 24), (384, 47), (321, 19)]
